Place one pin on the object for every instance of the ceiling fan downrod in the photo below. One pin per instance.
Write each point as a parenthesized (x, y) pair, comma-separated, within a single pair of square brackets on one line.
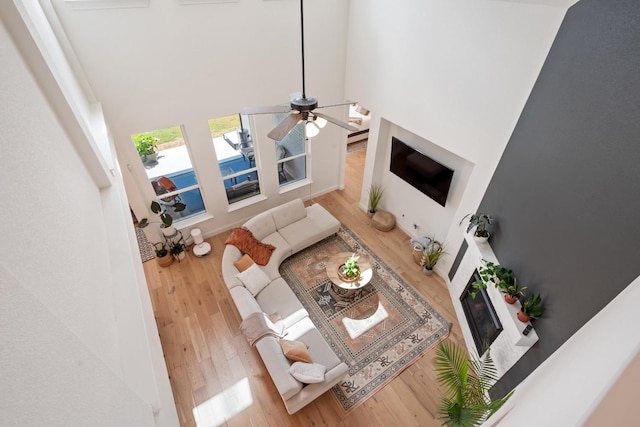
[(303, 103)]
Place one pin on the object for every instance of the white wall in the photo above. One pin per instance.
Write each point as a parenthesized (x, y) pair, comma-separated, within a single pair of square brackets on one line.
[(169, 64), (454, 73), (78, 332)]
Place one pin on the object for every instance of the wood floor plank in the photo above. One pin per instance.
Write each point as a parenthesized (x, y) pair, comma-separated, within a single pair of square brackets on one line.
[(208, 358)]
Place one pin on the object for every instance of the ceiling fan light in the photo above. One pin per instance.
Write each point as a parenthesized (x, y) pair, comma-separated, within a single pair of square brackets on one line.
[(311, 129), (320, 122)]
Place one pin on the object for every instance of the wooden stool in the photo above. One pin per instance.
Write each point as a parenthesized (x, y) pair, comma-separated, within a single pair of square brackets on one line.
[(383, 220)]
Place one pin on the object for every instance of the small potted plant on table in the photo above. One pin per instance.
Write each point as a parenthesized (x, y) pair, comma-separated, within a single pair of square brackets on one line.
[(481, 222), (349, 271)]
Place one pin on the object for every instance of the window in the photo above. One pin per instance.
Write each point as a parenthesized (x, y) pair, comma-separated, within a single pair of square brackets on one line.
[(291, 154), (236, 158), (165, 157)]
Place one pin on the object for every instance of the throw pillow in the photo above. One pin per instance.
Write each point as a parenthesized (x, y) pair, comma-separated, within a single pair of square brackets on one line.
[(254, 279), (308, 373), (243, 239), (295, 351), (243, 263)]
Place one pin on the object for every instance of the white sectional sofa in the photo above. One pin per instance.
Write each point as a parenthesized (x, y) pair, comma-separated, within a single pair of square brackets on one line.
[(290, 228)]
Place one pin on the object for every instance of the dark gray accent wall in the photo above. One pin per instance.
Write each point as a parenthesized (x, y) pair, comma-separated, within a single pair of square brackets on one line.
[(566, 193)]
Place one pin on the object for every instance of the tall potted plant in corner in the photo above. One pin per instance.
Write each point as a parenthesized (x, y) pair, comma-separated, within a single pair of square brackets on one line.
[(481, 222), (431, 255), (166, 220), (466, 383), (375, 195)]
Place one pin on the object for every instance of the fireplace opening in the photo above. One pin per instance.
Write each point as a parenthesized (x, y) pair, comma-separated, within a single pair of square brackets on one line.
[(481, 316)]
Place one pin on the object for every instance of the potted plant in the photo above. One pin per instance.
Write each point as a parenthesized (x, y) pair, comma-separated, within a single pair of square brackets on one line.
[(146, 146), (166, 220), (531, 308), (162, 254), (501, 277), (465, 384), (512, 291), (178, 250), (349, 271), (375, 195), (431, 254), (481, 222)]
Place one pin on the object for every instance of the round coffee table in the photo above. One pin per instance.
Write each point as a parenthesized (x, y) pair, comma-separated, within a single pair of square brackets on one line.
[(348, 289)]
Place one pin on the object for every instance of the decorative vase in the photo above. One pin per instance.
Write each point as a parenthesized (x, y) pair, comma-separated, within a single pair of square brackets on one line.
[(427, 271), (509, 299), (523, 317), (165, 261), (168, 231), (347, 279)]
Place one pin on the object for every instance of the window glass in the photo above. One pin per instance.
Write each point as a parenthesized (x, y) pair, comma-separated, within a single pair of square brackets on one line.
[(165, 157), (291, 154), (236, 158)]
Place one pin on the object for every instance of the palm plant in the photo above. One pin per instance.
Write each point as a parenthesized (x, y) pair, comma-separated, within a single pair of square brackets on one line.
[(466, 382)]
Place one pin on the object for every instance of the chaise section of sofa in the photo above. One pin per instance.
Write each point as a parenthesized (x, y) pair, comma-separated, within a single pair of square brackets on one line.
[(290, 228)]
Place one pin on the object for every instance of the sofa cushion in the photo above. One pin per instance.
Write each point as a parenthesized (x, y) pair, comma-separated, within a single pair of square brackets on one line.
[(320, 352), (295, 351), (283, 251), (243, 263), (243, 239), (244, 301), (317, 225), (229, 271), (261, 225), (254, 279), (278, 297), (288, 213), (308, 373)]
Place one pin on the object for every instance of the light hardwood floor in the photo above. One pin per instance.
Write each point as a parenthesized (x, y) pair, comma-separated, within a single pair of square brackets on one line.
[(206, 353)]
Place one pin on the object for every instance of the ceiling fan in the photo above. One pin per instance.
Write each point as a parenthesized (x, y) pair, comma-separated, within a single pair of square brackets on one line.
[(301, 108)]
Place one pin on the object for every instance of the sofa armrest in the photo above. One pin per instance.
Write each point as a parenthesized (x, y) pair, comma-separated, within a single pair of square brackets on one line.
[(312, 391)]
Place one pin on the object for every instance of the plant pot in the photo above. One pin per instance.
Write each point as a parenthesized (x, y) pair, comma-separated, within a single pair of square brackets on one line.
[(427, 271), (509, 299), (165, 261), (149, 158), (371, 213), (168, 231), (347, 279), (523, 317), (180, 256), (481, 239)]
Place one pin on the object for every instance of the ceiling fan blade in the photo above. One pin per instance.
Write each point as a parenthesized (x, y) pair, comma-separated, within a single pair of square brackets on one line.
[(285, 126), (271, 109), (336, 105), (336, 122)]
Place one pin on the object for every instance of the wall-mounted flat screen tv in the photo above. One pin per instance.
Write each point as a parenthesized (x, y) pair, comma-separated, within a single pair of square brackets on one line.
[(422, 172)]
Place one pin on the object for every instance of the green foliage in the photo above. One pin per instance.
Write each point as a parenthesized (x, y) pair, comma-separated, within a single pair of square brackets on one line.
[(479, 220), (350, 268), (145, 144), (532, 306), (501, 277), (165, 218), (375, 195), (432, 254), (176, 248), (224, 124), (161, 249), (465, 384)]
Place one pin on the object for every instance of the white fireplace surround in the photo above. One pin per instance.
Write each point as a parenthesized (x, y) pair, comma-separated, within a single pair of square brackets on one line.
[(511, 344)]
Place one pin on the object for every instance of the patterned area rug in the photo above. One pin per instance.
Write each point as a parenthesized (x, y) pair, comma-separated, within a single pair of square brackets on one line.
[(146, 248), (375, 357)]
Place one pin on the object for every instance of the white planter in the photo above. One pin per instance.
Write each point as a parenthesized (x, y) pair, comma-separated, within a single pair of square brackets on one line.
[(481, 239), (426, 271), (168, 231)]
